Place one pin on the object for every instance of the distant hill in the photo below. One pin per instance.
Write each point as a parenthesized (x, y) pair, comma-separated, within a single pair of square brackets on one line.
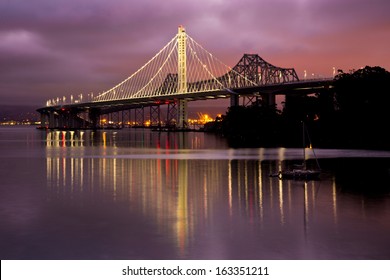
[(18, 113)]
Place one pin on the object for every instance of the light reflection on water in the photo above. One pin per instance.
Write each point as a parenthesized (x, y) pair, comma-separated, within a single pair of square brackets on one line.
[(183, 146), (144, 195)]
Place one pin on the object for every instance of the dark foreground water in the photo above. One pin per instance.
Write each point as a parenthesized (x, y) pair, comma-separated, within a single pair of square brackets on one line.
[(139, 194)]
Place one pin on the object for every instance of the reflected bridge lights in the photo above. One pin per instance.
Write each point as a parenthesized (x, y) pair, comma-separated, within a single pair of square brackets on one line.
[(59, 138)]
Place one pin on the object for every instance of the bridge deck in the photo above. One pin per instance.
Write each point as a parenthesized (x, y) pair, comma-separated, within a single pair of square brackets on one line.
[(298, 87)]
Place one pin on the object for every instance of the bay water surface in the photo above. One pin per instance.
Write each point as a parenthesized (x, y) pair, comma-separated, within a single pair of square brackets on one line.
[(143, 194)]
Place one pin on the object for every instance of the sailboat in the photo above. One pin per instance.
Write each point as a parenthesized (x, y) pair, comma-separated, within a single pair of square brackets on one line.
[(302, 172)]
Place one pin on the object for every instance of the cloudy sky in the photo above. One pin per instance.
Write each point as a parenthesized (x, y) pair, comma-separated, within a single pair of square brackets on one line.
[(51, 48)]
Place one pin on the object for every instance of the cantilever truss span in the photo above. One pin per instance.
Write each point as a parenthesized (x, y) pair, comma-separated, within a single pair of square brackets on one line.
[(257, 70)]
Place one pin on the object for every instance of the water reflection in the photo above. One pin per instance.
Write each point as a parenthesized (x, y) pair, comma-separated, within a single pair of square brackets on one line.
[(57, 138), (182, 196), (137, 138), (204, 198)]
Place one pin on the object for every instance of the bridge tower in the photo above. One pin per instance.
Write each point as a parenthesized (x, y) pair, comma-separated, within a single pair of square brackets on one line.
[(182, 76)]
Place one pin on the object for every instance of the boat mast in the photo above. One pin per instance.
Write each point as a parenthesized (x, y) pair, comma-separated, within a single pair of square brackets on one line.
[(303, 142)]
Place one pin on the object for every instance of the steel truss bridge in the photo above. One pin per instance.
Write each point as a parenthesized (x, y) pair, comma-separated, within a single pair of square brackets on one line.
[(182, 71)]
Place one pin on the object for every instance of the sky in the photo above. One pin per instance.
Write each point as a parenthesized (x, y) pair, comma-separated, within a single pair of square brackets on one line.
[(51, 48)]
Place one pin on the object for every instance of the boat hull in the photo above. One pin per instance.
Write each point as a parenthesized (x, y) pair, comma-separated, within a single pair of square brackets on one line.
[(300, 174)]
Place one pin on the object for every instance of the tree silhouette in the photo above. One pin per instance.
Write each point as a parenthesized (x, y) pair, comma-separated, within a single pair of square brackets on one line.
[(362, 98)]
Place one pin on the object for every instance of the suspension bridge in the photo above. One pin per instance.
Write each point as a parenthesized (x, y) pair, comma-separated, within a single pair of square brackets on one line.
[(182, 71)]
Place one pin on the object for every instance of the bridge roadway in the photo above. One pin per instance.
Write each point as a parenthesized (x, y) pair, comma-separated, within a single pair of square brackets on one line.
[(302, 87)]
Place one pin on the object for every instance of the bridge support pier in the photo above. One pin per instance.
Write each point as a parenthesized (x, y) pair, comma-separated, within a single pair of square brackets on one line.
[(171, 114), (139, 115), (72, 120), (52, 120), (249, 100), (155, 115), (182, 114), (94, 118), (269, 99), (125, 115), (234, 100), (44, 120)]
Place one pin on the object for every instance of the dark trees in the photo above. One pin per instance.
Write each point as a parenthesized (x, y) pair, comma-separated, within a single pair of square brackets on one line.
[(362, 99), (254, 126), (364, 93)]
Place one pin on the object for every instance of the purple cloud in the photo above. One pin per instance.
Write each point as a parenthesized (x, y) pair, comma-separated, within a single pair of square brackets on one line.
[(55, 48)]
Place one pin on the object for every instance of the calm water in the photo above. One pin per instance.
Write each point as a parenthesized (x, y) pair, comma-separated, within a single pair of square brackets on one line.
[(139, 194)]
